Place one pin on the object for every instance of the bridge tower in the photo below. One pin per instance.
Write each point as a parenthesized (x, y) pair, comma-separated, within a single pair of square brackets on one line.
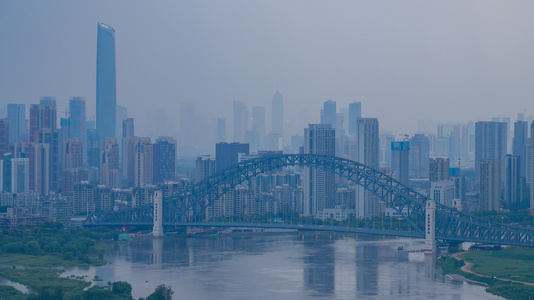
[(430, 226), (157, 230)]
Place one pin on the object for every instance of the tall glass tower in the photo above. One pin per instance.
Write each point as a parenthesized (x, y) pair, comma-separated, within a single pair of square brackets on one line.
[(106, 92)]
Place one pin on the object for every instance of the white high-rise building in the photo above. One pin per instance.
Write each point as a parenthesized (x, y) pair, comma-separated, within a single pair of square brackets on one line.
[(20, 175), (319, 185), (367, 139)]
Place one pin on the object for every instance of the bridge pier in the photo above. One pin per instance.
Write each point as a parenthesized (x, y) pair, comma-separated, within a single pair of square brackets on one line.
[(157, 230), (430, 226)]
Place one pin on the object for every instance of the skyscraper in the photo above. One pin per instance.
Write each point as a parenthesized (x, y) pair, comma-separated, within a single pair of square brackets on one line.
[(512, 182), (140, 162), (367, 139), (240, 121), (355, 112), (438, 169), (164, 159), (329, 113), (77, 118), (278, 113), (106, 93), (127, 133), (227, 154), (419, 156), (4, 136), (400, 152), (490, 142), (20, 175), (319, 185), (109, 163), (490, 184), (42, 116), (204, 168), (16, 114), (520, 146)]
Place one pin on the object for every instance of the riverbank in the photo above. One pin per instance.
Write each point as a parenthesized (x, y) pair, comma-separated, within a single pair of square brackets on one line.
[(508, 273)]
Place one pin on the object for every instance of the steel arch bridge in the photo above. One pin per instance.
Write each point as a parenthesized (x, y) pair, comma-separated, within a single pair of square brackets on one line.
[(188, 205)]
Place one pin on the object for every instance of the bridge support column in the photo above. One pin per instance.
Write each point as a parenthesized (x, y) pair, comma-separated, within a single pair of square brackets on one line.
[(157, 230), (430, 226)]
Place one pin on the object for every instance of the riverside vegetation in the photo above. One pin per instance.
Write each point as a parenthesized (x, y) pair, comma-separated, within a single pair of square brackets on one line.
[(33, 256), (496, 268)]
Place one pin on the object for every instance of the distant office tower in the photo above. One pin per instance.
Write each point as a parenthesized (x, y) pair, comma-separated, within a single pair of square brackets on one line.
[(72, 150), (400, 153), (4, 136), (520, 146), (221, 130), (164, 159), (52, 139), (240, 121), (106, 93), (278, 113), (42, 168), (490, 142), (319, 185), (6, 173), (77, 118), (442, 192), (16, 114), (122, 114), (387, 150), (204, 168), (490, 184), (42, 116), (512, 181), (127, 133), (109, 163), (258, 126), (227, 154), (438, 169), (329, 113), (20, 175), (355, 112), (367, 139), (140, 159), (419, 156)]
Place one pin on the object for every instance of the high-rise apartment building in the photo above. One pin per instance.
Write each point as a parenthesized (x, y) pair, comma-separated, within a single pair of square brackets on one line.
[(490, 142), (42, 116), (164, 159), (520, 146), (319, 185), (72, 150), (512, 181), (5, 173), (419, 156), (204, 168), (367, 140), (20, 175), (47, 136), (109, 163), (106, 92), (490, 184), (141, 162), (127, 133), (278, 113), (329, 113), (400, 159), (439, 169), (355, 112), (16, 114), (42, 168)]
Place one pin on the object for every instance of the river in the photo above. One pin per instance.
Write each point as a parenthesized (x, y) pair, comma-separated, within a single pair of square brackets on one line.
[(280, 267)]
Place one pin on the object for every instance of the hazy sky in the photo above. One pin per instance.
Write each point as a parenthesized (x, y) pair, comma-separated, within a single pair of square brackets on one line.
[(405, 60)]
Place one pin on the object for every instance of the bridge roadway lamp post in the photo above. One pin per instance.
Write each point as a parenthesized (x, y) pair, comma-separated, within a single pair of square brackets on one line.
[(430, 226), (157, 230)]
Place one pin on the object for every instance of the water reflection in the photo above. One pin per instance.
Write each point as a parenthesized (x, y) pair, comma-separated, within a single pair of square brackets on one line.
[(280, 267)]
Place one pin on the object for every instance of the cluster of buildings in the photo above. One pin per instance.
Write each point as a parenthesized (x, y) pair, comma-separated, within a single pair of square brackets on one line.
[(83, 166)]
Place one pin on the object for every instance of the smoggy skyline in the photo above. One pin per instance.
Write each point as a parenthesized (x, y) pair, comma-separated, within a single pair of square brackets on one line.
[(405, 61)]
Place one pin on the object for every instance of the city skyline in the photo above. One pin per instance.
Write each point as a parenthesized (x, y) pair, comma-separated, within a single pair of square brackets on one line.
[(389, 75)]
